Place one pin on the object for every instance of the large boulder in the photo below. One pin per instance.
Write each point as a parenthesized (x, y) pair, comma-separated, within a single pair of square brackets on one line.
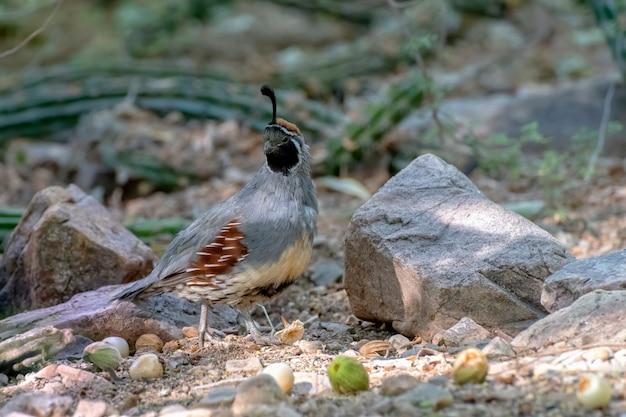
[(429, 248), (605, 272), (596, 317), (67, 243)]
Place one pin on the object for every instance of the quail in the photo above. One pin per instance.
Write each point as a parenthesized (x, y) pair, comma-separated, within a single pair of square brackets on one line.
[(251, 246)]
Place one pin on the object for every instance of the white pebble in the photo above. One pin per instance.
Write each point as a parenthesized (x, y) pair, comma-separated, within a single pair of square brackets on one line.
[(119, 343), (282, 374), (147, 366), (593, 391)]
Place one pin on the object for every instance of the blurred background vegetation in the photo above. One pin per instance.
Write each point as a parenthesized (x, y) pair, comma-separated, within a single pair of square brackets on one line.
[(141, 100)]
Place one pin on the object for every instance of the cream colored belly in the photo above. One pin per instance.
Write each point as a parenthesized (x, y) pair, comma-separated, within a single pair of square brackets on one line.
[(252, 283)]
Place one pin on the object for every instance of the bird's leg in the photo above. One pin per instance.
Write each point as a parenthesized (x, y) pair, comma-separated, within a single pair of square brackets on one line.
[(267, 316), (203, 328), (254, 331), (204, 315)]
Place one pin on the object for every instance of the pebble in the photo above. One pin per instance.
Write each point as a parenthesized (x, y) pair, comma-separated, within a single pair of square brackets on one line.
[(39, 404), (397, 384), (250, 365), (171, 346), (466, 332), (310, 383), (89, 408), (146, 366), (334, 327), (309, 346), (498, 347), (218, 397), (400, 363), (120, 343), (254, 392), (190, 332), (326, 272), (173, 408), (197, 412), (399, 342), (426, 395), (599, 353), (4, 380), (148, 342), (176, 360)]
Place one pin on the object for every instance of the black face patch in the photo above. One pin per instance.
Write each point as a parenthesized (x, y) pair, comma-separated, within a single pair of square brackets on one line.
[(282, 157)]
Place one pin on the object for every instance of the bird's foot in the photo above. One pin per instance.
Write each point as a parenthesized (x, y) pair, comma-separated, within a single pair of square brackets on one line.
[(263, 339), (209, 334)]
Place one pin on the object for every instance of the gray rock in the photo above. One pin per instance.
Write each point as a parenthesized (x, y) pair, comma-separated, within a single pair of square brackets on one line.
[(92, 314), (429, 248), (90, 408), (251, 365), (605, 272), (29, 349), (465, 332), (260, 390), (426, 396), (498, 347), (67, 243), (597, 316), (326, 272), (397, 384), (218, 397), (38, 404), (4, 380)]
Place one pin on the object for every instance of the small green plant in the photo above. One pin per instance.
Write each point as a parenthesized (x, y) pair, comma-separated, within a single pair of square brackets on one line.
[(503, 157)]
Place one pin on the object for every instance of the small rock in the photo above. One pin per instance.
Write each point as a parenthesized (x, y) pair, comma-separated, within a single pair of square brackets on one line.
[(120, 343), (254, 392), (334, 327), (72, 376), (218, 397), (89, 408), (326, 272), (282, 410), (397, 384), (604, 272), (4, 380), (176, 360), (171, 346), (498, 347), (148, 343), (596, 316), (190, 332), (74, 350), (310, 383), (38, 404), (309, 346), (147, 366), (599, 353), (173, 408), (466, 332), (399, 342), (198, 412), (282, 374), (250, 365), (426, 395)]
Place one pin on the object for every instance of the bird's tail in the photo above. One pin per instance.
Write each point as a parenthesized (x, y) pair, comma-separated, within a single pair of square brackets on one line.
[(133, 289)]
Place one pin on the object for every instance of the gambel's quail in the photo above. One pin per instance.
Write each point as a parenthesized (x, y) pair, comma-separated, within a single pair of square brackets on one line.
[(251, 246)]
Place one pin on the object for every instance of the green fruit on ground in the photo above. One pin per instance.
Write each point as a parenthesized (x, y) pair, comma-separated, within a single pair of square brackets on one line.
[(347, 375)]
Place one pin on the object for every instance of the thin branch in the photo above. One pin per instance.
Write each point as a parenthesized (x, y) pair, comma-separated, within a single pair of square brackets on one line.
[(32, 35), (604, 123)]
